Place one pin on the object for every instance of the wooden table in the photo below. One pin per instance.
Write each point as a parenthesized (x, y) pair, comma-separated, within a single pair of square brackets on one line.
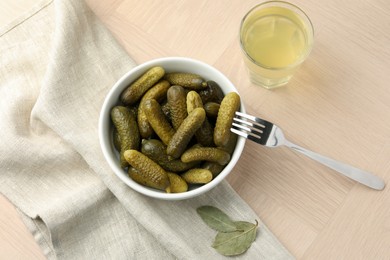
[(338, 104)]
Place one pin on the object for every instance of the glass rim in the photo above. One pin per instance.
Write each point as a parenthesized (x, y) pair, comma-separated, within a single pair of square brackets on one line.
[(300, 12)]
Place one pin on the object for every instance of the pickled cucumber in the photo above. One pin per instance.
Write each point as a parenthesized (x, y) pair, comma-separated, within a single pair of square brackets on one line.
[(157, 92), (149, 171), (213, 167), (178, 184), (184, 133), (157, 151), (229, 105), (134, 92), (197, 176), (165, 109), (211, 154), (186, 80), (213, 93), (176, 98), (139, 178), (126, 125), (193, 101), (211, 109), (230, 145), (204, 135), (158, 121), (216, 168)]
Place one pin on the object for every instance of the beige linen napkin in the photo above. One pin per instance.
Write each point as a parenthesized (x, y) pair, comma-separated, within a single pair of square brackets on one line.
[(57, 64)]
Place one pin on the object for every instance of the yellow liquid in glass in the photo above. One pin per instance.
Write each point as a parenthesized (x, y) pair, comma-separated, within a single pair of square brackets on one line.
[(275, 37)]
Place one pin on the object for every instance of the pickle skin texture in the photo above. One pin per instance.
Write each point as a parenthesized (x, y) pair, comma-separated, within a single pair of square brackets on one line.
[(185, 132), (197, 176), (229, 105), (211, 109), (231, 144), (148, 169), (127, 128), (213, 167), (193, 101), (176, 97), (157, 151), (213, 93), (166, 110), (137, 89), (206, 154), (204, 135), (178, 184), (158, 121), (186, 80), (136, 176), (157, 92)]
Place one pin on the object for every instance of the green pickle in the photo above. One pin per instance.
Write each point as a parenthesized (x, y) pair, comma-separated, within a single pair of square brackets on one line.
[(193, 101), (137, 89), (140, 178), (158, 121), (211, 109), (176, 98), (157, 151), (126, 125), (187, 129), (229, 105), (213, 93), (213, 167), (204, 135), (149, 171), (178, 184), (186, 80), (197, 176), (157, 92), (211, 154)]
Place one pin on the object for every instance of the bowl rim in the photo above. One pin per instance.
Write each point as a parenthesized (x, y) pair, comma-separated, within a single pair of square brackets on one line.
[(106, 145)]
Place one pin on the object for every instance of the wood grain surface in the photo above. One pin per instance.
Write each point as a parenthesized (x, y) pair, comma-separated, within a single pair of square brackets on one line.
[(337, 104)]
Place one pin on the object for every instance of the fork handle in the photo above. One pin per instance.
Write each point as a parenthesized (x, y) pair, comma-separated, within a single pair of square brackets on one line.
[(356, 174)]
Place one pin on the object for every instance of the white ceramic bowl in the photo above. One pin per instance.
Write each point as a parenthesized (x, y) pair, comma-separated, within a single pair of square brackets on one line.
[(170, 64)]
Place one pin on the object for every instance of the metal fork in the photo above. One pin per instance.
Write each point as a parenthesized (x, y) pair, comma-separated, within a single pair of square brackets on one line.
[(268, 134)]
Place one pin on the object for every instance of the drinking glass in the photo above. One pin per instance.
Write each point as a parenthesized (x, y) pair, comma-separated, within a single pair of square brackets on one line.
[(276, 37)]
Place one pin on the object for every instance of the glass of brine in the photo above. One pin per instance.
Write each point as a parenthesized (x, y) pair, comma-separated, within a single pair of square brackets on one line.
[(276, 37)]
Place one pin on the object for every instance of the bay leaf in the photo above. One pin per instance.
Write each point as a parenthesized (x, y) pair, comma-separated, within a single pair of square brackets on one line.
[(236, 242), (216, 219)]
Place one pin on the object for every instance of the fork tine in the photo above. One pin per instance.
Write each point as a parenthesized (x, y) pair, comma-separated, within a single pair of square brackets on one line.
[(254, 119), (246, 132), (245, 116), (240, 133), (247, 122), (248, 127), (241, 127), (247, 135), (252, 128)]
